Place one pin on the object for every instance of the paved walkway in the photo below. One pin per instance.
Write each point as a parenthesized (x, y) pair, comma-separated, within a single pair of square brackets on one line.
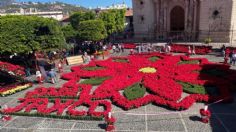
[(149, 118)]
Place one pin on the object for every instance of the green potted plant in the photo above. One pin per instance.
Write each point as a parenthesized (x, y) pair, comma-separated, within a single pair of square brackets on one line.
[(208, 40)]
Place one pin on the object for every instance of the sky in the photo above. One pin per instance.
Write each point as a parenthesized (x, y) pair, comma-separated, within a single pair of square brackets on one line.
[(87, 3)]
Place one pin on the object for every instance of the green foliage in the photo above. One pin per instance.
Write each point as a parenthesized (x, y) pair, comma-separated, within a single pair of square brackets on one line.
[(120, 19), (154, 58), (24, 34), (193, 89), (120, 60), (78, 17), (207, 40), (108, 17), (69, 33), (68, 117), (94, 68), (95, 81), (134, 92), (189, 62), (91, 30)]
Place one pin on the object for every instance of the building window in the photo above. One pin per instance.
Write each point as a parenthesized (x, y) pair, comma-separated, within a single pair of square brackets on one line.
[(141, 2), (215, 14), (141, 19)]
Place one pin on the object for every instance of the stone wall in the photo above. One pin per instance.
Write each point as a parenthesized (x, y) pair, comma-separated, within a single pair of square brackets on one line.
[(143, 16), (215, 20), (203, 18)]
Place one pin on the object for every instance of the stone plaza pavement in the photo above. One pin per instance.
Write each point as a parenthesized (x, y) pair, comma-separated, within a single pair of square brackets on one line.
[(148, 118)]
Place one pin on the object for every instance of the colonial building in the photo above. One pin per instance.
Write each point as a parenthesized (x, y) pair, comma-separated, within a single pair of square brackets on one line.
[(190, 20)]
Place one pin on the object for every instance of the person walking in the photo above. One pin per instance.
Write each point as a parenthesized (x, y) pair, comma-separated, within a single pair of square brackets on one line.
[(119, 47), (122, 48), (234, 57), (231, 57), (223, 48), (114, 49)]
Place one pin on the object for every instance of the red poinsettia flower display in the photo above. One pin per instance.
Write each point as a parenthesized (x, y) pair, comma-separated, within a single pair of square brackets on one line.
[(158, 73), (14, 70)]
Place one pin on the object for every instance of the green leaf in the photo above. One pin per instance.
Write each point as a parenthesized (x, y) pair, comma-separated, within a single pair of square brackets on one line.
[(189, 62), (134, 92), (192, 88), (95, 81), (154, 58)]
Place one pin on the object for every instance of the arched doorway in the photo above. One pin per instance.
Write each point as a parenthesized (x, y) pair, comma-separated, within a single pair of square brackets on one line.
[(177, 19)]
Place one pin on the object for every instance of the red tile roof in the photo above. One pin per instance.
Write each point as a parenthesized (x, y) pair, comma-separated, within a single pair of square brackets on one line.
[(129, 12)]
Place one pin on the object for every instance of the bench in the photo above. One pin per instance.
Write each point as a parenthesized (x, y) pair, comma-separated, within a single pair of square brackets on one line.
[(74, 60)]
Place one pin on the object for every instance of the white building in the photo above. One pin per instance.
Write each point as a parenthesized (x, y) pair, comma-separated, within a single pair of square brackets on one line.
[(58, 15), (114, 6)]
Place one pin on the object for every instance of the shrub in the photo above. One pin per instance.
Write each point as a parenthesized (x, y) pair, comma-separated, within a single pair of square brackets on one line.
[(135, 91), (154, 58), (94, 68), (193, 89), (120, 60), (189, 62), (207, 40), (95, 80)]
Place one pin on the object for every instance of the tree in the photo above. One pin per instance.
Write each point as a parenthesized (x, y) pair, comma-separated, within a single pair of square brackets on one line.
[(78, 17), (120, 19), (69, 33), (109, 20), (114, 20), (91, 30), (25, 34)]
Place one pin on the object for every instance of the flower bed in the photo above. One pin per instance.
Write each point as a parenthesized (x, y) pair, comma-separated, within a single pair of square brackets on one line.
[(12, 89), (14, 70), (130, 84), (185, 49), (129, 45), (12, 76)]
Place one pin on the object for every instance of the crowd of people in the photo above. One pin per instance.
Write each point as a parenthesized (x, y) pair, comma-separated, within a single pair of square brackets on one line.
[(48, 65), (229, 55), (117, 48)]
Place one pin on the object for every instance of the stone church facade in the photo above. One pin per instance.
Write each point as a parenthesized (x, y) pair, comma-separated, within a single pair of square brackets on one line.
[(193, 20)]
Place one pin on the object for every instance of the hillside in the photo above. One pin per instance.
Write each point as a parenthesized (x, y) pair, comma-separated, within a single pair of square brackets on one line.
[(56, 6)]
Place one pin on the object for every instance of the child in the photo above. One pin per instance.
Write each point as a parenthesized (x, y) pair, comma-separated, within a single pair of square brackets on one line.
[(131, 51), (60, 68), (52, 75), (39, 77)]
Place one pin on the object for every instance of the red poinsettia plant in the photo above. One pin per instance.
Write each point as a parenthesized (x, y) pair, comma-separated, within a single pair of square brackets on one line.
[(14, 70), (159, 74), (204, 112)]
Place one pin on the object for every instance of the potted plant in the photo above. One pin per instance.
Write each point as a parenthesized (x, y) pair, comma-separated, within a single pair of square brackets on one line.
[(208, 40), (110, 123)]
